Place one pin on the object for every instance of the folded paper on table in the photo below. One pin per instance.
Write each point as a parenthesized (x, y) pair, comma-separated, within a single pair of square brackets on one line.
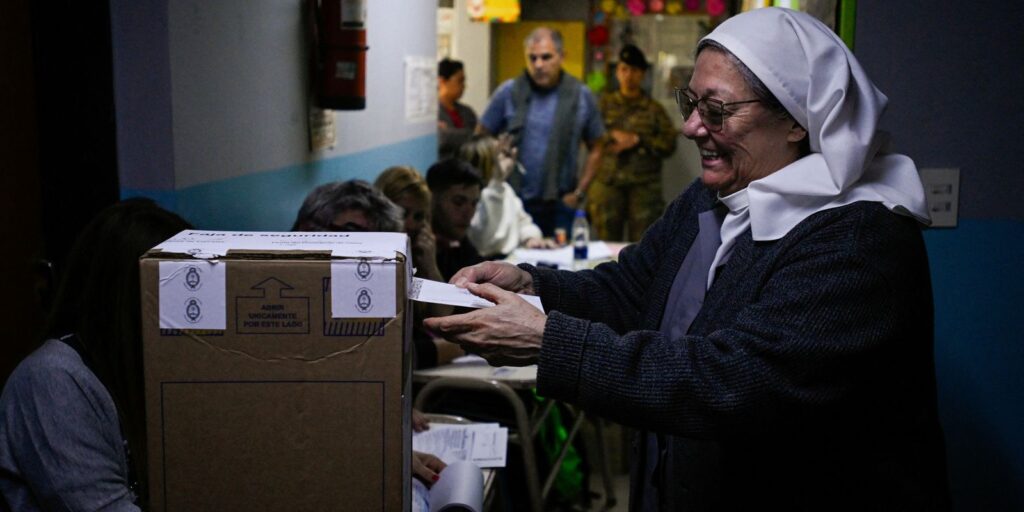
[(425, 290), (461, 487)]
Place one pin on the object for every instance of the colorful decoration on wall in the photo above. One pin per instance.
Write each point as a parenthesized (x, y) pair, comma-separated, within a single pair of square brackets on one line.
[(494, 11), (606, 14), (596, 81), (624, 9), (598, 36)]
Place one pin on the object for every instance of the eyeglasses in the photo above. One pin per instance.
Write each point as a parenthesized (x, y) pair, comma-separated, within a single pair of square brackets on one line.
[(712, 112)]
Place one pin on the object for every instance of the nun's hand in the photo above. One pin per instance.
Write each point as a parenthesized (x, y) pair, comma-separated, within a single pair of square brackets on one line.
[(508, 334), (503, 275)]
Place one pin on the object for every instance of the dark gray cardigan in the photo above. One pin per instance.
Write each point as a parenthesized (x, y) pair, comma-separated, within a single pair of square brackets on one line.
[(805, 382)]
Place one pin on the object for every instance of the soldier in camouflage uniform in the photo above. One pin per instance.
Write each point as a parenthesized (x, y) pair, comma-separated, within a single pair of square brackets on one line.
[(627, 188)]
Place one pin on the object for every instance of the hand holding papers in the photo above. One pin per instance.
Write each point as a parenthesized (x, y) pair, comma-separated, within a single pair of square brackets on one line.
[(461, 487), (508, 334), (424, 290), (484, 444), (465, 448)]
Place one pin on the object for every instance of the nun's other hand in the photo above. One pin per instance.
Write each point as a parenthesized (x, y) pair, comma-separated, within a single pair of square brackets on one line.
[(508, 334), (503, 275)]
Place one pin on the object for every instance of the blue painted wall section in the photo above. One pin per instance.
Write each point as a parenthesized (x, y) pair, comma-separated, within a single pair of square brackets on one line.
[(979, 346), (268, 201), (929, 58)]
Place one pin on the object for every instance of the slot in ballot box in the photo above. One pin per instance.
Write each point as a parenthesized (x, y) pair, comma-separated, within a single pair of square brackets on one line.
[(277, 371)]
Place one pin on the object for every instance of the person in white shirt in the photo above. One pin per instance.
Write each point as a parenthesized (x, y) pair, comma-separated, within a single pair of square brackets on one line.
[(500, 224)]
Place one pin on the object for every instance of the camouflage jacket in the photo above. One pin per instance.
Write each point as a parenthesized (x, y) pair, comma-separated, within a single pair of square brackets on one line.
[(647, 118)]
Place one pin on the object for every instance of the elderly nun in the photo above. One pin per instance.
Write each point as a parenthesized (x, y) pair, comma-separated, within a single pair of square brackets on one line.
[(770, 337)]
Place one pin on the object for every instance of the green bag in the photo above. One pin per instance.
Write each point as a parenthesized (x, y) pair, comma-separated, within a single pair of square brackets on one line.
[(568, 485)]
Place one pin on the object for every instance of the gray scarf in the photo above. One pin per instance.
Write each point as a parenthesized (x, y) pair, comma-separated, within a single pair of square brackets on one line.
[(568, 91)]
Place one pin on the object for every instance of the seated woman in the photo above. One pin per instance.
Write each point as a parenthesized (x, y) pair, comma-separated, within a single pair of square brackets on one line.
[(354, 205), (500, 224), (72, 419), (405, 187), (351, 205)]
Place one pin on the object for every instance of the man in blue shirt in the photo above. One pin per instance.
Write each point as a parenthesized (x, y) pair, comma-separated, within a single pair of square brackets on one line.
[(548, 113)]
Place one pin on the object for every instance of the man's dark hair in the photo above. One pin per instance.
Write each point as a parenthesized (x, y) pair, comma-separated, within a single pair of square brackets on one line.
[(98, 302), (448, 67), (451, 171), (325, 202)]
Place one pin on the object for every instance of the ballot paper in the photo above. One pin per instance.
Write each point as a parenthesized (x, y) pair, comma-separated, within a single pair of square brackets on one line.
[(425, 290), (461, 487), (483, 444)]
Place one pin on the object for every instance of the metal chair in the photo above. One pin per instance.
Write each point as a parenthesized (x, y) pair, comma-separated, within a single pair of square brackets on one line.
[(525, 429)]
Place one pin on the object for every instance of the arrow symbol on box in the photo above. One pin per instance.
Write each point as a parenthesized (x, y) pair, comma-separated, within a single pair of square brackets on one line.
[(270, 283)]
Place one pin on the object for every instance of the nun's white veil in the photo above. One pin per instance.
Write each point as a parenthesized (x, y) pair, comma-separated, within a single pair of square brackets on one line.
[(818, 80)]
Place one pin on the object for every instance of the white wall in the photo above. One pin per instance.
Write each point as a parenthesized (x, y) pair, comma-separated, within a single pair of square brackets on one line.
[(472, 46), (239, 85)]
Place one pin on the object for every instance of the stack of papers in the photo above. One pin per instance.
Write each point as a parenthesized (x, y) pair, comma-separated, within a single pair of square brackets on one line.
[(483, 444)]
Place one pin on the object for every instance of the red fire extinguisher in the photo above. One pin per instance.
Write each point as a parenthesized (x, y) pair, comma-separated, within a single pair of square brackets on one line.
[(339, 53)]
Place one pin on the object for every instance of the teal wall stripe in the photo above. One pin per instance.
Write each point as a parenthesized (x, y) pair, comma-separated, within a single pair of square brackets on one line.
[(268, 201), (167, 199), (979, 288)]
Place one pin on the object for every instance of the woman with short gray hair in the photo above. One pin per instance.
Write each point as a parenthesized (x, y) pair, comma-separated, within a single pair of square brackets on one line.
[(351, 205)]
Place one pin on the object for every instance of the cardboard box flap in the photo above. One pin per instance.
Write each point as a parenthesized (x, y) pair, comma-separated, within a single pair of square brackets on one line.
[(216, 244)]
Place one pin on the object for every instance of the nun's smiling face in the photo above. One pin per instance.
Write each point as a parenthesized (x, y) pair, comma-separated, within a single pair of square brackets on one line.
[(752, 143)]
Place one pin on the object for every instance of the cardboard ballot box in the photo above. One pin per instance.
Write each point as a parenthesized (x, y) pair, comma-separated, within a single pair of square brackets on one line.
[(277, 371)]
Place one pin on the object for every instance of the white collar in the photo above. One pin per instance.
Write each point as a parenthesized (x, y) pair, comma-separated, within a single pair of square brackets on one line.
[(736, 202)]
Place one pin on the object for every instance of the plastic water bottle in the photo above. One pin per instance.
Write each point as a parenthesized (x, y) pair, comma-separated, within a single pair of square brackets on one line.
[(580, 240)]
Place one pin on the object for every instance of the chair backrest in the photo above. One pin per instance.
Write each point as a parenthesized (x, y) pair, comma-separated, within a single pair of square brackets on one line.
[(447, 418)]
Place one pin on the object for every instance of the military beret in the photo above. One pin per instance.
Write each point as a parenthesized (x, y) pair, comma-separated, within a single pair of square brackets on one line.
[(633, 56)]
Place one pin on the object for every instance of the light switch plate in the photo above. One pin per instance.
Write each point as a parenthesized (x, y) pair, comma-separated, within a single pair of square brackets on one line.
[(942, 194)]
